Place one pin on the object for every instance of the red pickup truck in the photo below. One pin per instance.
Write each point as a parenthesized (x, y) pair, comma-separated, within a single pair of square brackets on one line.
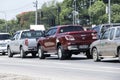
[(66, 40)]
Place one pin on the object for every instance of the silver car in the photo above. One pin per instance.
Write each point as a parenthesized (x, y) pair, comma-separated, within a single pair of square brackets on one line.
[(108, 45), (4, 39)]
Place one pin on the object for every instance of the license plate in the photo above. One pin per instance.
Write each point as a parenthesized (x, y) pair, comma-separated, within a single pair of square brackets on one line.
[(83, 46)]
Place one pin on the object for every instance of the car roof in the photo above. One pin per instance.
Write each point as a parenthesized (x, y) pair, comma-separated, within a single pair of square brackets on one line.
[(3, 33), (115, 27), (27, 30), (65, 26)]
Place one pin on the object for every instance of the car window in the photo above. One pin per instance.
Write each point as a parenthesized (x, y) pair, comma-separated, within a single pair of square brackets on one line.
[(16, 35), (31, 34), (105, 35), (117, 33), (70, 29), (112, 33), (96, 28), (51, 32), (104, 28), (4, 36)]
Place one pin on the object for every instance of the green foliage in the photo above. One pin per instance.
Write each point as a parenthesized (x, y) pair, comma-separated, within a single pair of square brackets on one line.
[(2, 25), (54, 13), (97, 12), (115, 13)]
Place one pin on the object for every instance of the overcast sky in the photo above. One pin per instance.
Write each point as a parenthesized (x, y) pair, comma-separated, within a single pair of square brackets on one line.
[(10, 8)]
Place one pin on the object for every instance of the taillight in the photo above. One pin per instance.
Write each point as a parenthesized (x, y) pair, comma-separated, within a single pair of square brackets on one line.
[(94, 36), (69, 37), (26, 42)]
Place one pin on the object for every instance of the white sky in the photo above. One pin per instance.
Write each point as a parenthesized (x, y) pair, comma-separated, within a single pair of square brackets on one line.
[(10, 8)]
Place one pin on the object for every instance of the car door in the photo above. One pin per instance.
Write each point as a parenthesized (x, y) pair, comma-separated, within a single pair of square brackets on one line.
[(110, 43), (13, 42), (104, 42), (50, 40)]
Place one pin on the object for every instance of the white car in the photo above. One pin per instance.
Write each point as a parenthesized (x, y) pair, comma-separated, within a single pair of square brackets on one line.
[(4, 39)]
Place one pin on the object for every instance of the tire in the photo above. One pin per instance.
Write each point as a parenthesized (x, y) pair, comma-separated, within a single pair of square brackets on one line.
[(33, 55), (88, 55), (95, 55), (41, 53), (61, 53), (22, 53), (119, 55), (3, 53), (10, 54), (68, 56)]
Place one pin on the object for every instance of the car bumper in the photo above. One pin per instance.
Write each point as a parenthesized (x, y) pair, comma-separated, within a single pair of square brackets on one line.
[(78, 47), (3, 50), (30, 49)]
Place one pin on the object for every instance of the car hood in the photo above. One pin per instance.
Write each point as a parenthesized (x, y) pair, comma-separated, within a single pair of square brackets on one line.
[(4, 41)]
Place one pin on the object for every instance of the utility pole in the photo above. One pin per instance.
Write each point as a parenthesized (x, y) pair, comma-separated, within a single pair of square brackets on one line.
[(36, 12), (90, 13), (58, 13), (74, 12), (109, 12)]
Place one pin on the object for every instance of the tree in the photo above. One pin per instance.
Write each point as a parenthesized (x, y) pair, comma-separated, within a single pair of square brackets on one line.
[(115, 13), (98, 14), (2, 25), (25, 19), (50, 13)]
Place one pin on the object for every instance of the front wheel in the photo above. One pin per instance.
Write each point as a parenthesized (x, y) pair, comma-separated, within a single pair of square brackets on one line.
[(41, 53), (9, 52), (95, 55)]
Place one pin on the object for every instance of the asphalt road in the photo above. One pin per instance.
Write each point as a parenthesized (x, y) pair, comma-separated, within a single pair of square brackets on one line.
[(77, 68)]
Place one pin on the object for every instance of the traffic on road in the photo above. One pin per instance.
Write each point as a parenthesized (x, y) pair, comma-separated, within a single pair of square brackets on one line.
[(60, 40)]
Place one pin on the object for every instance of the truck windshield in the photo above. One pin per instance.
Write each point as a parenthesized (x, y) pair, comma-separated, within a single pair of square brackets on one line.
[(31, 34), (4, 36), (71, 28)]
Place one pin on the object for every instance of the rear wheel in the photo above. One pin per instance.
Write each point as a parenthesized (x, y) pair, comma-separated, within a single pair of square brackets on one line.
[(61, 53), (22, 53), (33, 54), (41, 53), (10, 54), (69, 55), (95, 55)]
